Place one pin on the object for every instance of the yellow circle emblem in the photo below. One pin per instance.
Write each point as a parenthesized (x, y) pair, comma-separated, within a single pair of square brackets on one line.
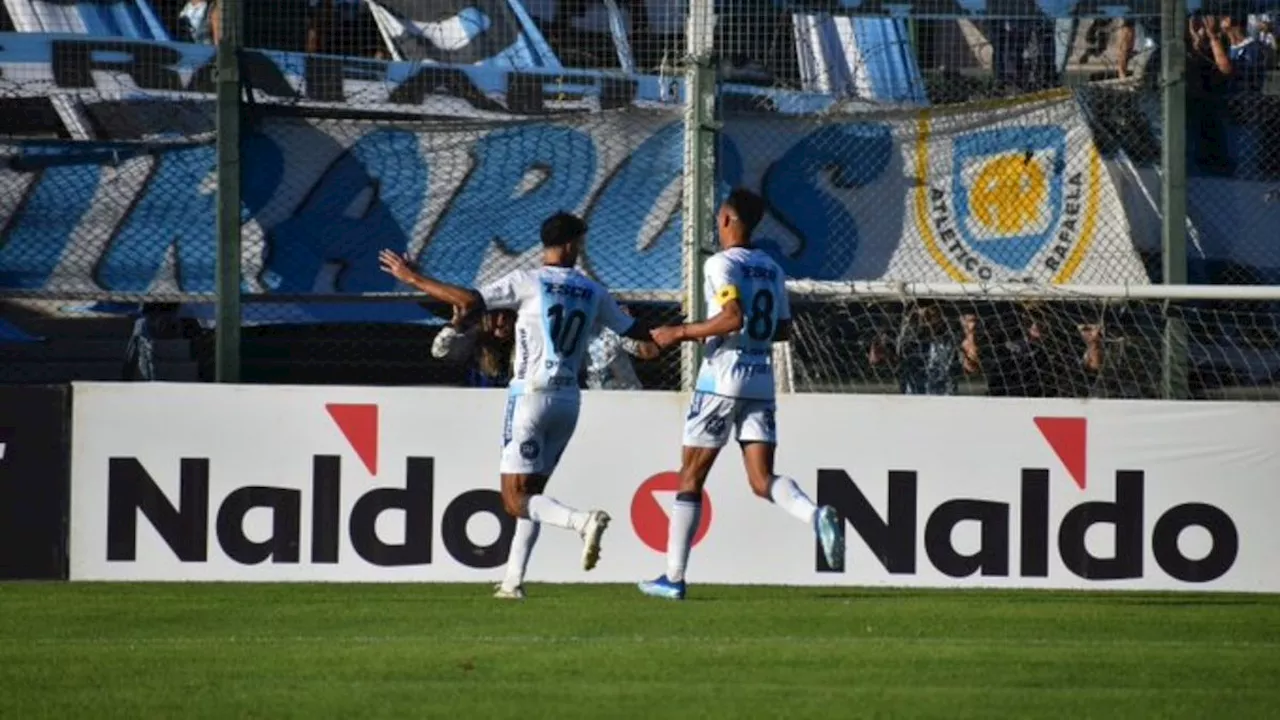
[(1009, 194)]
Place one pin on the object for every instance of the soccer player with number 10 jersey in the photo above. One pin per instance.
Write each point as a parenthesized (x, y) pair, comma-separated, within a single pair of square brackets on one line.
[(558, 309)]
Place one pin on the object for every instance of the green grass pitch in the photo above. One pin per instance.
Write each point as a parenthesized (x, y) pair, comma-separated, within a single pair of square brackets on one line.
[(450, 651)]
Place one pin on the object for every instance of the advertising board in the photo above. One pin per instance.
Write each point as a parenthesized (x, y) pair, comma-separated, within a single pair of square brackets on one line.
[(34, 422), (192, 482)]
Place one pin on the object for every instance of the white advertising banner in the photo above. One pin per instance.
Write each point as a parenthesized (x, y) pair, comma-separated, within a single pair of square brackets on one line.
[(207, 482)]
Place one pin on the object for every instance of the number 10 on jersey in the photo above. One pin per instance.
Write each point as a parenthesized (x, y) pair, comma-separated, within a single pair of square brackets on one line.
[(566, 328)]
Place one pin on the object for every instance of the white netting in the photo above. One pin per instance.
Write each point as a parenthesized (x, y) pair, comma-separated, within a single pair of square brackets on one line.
[(1036, 341)]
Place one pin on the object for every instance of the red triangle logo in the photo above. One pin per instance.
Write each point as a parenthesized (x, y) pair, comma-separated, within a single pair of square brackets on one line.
[(1069, 439), (359, 423)]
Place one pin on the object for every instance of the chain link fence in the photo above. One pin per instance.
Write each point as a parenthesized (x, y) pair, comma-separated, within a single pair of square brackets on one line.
[(1005, 146), (105, 202), (943, 143), (1054, 344)]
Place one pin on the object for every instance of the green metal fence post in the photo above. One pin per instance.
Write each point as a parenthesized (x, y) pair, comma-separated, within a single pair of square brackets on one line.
[(1173, 85), (227, 335), (700, 172)]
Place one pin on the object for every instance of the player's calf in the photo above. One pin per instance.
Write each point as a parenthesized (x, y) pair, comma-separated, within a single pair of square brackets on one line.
[(826, 523), (695, 465), (786, 494), (522, 542), (686, 511), (522, 498), (519, 501)]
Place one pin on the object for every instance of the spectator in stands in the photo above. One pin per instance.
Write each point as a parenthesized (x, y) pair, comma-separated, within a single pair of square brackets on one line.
[(929, 356), (151, 322), (199, 21), (1093, 357), (1096, 39), (1032, 354), (342, 27), (1228, 60), (486, 347), (1024, 51), (1249, 57), (1262, 30), (609, 363), (1094, 363), (1128, 40), (1222, 62)]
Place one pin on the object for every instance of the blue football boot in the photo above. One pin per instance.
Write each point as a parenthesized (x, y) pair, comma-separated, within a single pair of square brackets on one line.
[(663, 588)]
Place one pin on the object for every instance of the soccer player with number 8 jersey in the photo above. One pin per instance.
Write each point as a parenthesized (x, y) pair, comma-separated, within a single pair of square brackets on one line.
[(735, 389), (558, 309)]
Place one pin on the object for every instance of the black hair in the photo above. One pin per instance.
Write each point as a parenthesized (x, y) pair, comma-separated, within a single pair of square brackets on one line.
[(1235, 11), (561, 229), (748, 206)]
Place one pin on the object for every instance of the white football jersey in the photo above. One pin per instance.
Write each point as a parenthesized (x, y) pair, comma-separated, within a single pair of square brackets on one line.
[(558, 310), (741, 364)]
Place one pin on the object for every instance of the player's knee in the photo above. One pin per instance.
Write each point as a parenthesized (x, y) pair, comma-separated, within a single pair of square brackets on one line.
[(691, 480), (514, 502), (760, 484), (535, 485)]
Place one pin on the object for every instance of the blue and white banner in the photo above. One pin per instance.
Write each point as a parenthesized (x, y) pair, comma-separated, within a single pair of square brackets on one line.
[(462, 32), (89, 69), (1005, 193), (101, 18)]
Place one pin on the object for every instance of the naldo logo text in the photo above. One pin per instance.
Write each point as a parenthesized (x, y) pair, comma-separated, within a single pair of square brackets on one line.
[(894, 537), (184, 526)]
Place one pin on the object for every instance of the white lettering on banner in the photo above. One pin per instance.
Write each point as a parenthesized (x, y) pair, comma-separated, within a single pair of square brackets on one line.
[(204, 482), (91, 69)]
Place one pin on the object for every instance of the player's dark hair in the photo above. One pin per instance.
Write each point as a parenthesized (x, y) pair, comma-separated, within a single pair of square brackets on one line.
[(748, 206), (561, 229)]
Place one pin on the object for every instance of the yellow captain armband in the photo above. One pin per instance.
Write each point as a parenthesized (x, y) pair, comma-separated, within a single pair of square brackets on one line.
[(727, 293)]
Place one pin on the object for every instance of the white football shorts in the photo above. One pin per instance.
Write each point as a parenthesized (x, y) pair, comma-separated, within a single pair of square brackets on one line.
[(710, 417), (536, 431)]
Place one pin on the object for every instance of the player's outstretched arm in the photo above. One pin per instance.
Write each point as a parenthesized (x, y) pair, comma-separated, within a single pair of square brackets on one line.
[(639, 340), (635, 333), (645, 349), (723, 278), (728, 320), (466, 300)]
